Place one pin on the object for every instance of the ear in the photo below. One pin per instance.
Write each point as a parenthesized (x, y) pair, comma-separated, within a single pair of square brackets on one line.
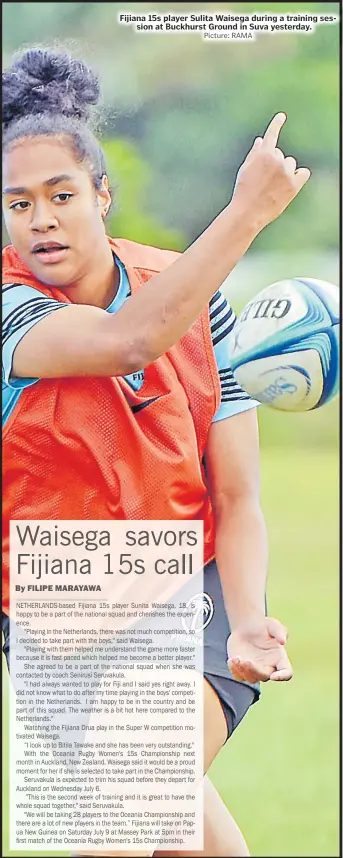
[(104, 197)]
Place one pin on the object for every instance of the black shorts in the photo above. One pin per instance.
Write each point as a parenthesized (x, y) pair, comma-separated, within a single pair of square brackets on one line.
[(235, 697)]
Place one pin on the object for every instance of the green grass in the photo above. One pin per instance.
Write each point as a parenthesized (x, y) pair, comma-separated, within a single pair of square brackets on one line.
[(279, 774)]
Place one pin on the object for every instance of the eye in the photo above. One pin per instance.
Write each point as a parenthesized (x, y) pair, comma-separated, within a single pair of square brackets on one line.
[(20, 205), (62, 197)]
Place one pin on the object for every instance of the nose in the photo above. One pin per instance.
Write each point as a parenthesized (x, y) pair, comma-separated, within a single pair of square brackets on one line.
[(43, 218)]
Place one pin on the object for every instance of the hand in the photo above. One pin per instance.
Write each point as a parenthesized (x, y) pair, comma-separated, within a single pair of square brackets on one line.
[(267, 181), (257, 652)]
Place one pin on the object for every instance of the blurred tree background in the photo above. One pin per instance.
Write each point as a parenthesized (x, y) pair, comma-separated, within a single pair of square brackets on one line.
[(178, 116), (191, 109), (177, 119)]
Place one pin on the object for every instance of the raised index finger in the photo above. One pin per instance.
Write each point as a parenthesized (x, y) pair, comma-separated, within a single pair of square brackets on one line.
[(271, 135)]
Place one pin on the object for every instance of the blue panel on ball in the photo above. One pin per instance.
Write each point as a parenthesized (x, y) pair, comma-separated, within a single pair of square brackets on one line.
[(321, 343), (331, 379), (316, 319), (327, 299)]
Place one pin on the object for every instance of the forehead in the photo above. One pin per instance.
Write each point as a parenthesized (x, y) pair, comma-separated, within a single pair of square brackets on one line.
[(33, 161)]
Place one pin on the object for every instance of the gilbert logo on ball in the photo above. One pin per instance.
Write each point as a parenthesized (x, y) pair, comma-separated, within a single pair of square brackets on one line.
[(284, 347)]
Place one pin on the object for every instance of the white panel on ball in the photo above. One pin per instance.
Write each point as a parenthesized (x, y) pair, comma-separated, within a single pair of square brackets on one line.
[(284, 347), (286, 382), (275, 308)]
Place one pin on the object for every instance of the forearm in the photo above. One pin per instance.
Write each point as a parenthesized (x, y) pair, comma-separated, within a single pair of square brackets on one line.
[(264, 187), (242, 557), (156, 317), (85, 340), (160, 314)]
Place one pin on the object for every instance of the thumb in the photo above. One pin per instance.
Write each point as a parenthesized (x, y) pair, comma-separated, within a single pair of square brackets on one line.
[(277, 630)]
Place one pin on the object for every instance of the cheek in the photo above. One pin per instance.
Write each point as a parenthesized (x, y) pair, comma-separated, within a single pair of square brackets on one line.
[(84, 217), (15, 227)]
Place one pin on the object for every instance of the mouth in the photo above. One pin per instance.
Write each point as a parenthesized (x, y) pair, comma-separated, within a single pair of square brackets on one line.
[(49, 252)]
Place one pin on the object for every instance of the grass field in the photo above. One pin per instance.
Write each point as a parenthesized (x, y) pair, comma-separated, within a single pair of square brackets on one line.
[(279, 774)]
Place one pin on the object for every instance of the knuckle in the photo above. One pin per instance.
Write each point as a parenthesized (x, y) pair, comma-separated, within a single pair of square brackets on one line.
[(266, 157)]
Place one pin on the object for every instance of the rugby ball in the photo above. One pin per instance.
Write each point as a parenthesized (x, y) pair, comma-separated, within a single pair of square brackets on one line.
[(284, 347)]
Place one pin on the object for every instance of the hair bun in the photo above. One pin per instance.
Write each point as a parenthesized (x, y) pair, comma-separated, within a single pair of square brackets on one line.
[(42, 81)]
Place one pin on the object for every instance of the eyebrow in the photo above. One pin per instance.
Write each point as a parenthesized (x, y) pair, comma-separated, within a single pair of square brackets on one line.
[(55, 180)]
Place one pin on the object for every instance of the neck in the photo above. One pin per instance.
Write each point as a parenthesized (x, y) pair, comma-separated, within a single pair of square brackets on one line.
[(99, 284)]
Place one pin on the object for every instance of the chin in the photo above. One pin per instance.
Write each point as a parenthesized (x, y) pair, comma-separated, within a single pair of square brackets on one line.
[(59, 276)]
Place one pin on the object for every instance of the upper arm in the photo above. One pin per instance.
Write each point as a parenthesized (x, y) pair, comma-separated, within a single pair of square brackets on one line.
[(232, 459), (46, 339)]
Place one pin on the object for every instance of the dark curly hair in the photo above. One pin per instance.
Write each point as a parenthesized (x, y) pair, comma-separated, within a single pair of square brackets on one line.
[(49, 93)]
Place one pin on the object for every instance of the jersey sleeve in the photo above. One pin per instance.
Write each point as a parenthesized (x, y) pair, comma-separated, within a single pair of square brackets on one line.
[(23, 307), (234, 399)]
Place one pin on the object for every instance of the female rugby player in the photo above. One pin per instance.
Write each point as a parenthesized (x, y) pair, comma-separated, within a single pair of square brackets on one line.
[(135, 368)]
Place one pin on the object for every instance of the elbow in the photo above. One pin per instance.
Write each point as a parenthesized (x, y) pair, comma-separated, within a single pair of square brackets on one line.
[(124, 349), (135, 355)]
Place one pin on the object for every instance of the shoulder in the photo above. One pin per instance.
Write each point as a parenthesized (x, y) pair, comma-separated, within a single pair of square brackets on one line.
[(143, 256), (16, 275), (11, 264), (11, 260), (14, 271), (22, 307), (9, 254), (18, 293)]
